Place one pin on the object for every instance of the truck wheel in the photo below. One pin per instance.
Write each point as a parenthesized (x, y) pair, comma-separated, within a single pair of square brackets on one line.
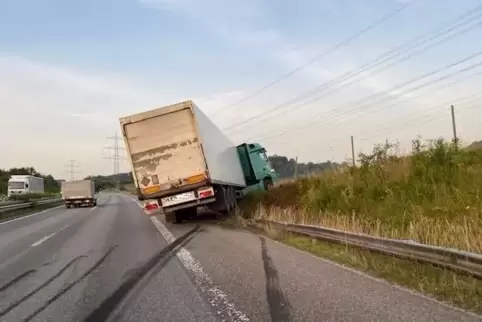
[(179, 216), (268, 184), (67, 206), (170, 217)]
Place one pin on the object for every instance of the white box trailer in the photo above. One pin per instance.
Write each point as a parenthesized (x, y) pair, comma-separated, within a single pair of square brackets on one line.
[(25, 184), (77, 193), (180, 158)]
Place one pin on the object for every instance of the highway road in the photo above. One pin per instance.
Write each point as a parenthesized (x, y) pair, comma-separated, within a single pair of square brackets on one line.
[(114, 263)]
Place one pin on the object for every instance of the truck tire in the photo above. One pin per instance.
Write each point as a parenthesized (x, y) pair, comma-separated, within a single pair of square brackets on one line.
[(170, 217), (232, 201), (185, 214), (179, 217), (268, 184)]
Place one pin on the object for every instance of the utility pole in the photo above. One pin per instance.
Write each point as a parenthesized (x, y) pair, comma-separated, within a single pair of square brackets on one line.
[(116, 156), (72, 165), (296, 167), (353, 152), (454, 127), (332, 157)]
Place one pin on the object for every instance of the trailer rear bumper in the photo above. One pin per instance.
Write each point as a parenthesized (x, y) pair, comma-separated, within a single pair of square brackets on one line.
[(193, 198), (77, 202), (191, 204)]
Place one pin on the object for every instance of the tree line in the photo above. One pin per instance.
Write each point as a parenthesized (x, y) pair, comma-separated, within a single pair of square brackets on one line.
[(50, 184), (111, 181), (284, 166), (287, 167)]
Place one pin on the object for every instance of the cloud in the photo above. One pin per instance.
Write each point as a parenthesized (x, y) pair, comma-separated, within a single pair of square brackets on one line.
[(66, 112), (69, 111), (242, 25), (248, 32), (95, 83)]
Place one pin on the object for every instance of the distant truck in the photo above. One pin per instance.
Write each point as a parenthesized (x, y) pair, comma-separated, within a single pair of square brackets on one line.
[(181, 160), (78, 193), (24, 184)]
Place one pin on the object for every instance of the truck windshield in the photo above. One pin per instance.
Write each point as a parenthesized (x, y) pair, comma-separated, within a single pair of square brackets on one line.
[(16, 185), (263, 156)]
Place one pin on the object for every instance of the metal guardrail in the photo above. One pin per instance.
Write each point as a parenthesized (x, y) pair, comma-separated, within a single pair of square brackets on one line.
[(10, 202), (23, 205), (15, 202), (470, 263)]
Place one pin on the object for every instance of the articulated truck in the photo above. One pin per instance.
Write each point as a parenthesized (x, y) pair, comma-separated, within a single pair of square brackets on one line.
[(181, 161)]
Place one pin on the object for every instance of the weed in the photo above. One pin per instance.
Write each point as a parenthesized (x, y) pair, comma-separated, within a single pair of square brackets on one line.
[(432, 196)]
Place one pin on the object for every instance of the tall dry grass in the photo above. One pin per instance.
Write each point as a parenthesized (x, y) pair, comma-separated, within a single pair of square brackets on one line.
[(432, 196)]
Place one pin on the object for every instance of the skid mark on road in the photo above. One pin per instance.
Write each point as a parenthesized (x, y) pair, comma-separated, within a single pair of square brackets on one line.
[(279, 306), (70, 285), (16, 279), (38, 289), (216, 297), (104, 311)]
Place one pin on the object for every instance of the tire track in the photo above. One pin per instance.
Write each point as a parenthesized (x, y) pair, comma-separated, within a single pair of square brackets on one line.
[(38, 289), (70, 285)]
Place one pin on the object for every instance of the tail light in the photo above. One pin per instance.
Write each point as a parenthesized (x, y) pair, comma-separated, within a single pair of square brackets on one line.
[(151, 206), (205, 193)]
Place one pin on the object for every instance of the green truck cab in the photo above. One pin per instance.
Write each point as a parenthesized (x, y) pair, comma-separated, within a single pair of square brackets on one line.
[(257, 169)]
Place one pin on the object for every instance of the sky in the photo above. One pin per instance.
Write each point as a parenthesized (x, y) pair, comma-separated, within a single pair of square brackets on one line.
[(299, 77)]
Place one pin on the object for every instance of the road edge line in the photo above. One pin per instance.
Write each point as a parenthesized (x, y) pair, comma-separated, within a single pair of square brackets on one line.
[(348, 268), (216, 297)]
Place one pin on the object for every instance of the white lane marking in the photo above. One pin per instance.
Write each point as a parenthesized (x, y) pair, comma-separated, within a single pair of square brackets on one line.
[(347, 268), (93, 208), (218, 299), (35, 214), (43, 239)]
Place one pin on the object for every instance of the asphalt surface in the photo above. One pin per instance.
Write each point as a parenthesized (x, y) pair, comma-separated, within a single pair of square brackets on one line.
[(114, 263)]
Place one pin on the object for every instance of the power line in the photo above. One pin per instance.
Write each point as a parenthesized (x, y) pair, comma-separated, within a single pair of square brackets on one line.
[(116, 154), (366, 100), (418, 120), (415, 88), (72, 165), (471, 100), (386, 57), (323, 54)]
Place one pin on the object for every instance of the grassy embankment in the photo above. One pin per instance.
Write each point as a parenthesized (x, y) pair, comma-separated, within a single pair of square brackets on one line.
[(432, 196)]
